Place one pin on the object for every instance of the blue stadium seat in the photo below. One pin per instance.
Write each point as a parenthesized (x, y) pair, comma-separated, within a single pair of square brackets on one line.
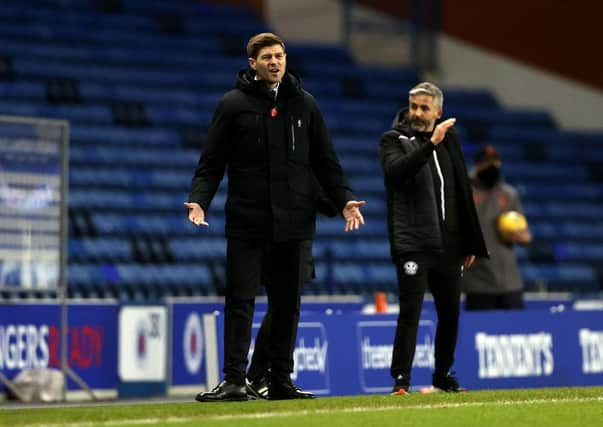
[(198, 248), (130, 238)]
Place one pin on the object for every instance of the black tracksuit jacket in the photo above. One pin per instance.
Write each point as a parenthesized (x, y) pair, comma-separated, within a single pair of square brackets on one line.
[(414, 222), (273, 152)]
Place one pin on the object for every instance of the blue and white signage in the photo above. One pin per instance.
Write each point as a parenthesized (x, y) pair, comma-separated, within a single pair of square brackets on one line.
[(311, 363), (376, 338), (351, 354), (30, 338), (142, 344), (188, 344)]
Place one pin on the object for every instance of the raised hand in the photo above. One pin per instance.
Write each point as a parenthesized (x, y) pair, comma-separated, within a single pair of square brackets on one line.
[(196, 214), (440, 130), (352, 215)]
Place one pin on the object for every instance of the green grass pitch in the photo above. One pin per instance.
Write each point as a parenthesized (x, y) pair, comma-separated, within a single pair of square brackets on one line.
[(574, 406)]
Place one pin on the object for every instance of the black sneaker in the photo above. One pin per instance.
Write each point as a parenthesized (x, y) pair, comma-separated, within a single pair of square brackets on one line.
[(447, 383), (401, 385), (257, 388)]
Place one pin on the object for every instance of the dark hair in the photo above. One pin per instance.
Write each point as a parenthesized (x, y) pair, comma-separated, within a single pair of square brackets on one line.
[(260, 41)]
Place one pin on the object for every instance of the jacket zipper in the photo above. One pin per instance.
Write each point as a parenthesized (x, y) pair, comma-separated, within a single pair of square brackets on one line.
[(292, 135)]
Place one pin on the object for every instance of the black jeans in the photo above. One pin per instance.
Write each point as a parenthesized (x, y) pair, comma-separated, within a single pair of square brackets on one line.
[(248, 264), (417, 272)]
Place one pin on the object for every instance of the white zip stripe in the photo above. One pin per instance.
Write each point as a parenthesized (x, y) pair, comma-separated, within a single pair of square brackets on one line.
[(293, 135), (437, 164), (412, 138)]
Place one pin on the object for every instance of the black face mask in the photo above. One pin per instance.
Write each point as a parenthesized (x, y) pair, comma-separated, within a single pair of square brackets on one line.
[(489, 176)]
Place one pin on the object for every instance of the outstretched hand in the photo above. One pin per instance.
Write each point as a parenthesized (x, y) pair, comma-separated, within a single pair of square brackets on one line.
[(196, 215), (353, 216)]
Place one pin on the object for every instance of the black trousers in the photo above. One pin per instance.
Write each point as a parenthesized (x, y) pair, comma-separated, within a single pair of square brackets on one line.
[(260, 360), (417, 272), (280, 266)]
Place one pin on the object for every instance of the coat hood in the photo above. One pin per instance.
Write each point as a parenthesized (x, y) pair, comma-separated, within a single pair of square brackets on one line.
[(401, 119)]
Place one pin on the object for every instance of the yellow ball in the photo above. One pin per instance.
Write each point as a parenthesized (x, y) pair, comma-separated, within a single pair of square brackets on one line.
[(511, 222)]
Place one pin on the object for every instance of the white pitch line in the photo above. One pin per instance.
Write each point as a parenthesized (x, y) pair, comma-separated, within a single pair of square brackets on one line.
[(357, 409)]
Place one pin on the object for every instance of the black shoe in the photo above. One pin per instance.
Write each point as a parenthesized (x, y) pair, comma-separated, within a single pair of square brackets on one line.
[(446, 382), (285, 389), (223, 392), (257, 388), (401, 385)]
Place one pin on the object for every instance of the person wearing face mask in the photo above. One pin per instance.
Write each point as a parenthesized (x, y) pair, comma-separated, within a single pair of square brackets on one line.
[(495, 283), (433, 229)]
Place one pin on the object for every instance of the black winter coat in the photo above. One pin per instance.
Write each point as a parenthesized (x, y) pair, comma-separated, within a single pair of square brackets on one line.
[(273, 161), (413, 219)]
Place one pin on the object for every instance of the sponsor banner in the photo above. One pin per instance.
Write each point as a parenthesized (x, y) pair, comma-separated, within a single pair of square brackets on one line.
[(530, 349), (92, 344), (142, 343), (313, 355), (375, 341), (311, 367), (30, 338), (188, 360), (350, 354)]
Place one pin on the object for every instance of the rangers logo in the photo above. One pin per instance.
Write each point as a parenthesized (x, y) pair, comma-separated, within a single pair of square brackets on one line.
[(192, 343), (141, 343), (410, 268)]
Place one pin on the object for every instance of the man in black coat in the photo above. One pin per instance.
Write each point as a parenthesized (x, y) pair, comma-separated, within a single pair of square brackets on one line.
[(270, 136), (434, 231)]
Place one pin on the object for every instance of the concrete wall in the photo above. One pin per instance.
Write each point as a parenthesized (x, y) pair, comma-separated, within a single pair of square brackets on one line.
[(518, 84), (311, 21)]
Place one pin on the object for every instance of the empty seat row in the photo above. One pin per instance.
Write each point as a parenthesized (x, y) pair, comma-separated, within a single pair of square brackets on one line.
[(50, 32), (106, 200), (569, 210), (579, 278), (354, 278), (182, 78), (136, 281), (133, 156), (132, 179), (554, 151), (567, 230), (590, 191), (495, 118), (123, 136)]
